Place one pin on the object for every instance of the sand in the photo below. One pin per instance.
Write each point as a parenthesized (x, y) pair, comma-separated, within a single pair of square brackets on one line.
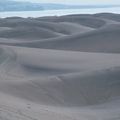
[(60, 68)]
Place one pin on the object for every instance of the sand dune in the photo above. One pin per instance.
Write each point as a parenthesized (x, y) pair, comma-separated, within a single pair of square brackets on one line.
[(67, 35), (34, 29), (86, 20), (105, 39), (28, 33), (110, 16), (60, 68)]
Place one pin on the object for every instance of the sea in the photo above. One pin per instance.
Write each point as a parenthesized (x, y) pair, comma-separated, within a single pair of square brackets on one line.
[(43, 13)]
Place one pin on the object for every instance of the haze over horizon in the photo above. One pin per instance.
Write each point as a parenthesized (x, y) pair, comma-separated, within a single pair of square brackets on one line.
[(75, 1)]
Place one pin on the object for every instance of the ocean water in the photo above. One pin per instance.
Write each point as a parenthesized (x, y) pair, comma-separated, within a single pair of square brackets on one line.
[(59, 12)]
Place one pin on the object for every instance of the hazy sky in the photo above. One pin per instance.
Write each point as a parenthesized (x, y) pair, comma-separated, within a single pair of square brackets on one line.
[(77, 1)]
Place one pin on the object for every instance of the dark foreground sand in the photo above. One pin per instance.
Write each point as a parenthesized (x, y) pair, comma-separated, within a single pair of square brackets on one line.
[(60, 68)]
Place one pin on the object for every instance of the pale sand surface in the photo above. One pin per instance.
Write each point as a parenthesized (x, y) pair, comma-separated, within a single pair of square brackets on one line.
[(60, 68)]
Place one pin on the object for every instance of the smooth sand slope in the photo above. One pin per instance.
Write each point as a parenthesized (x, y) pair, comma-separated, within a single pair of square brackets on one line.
[(60, 68)]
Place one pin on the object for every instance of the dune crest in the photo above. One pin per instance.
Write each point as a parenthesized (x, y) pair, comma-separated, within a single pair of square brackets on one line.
[(60, 68)]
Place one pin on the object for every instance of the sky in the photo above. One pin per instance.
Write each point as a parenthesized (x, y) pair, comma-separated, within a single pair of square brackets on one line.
[(76, 1)]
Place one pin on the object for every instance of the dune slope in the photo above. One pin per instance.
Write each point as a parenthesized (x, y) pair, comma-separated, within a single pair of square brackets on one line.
[(60, 68)]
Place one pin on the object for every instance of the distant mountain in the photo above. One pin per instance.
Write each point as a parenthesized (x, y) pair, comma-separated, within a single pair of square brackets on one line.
[(9, 5)]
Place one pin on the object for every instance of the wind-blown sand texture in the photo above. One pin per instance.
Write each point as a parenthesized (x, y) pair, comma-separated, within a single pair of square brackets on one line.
[(60, 68)]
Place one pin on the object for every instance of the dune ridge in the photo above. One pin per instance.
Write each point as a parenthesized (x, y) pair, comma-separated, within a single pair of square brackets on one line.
[(60, 68)]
